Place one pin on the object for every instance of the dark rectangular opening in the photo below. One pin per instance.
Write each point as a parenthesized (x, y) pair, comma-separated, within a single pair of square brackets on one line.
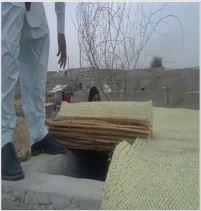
[(84, 164)]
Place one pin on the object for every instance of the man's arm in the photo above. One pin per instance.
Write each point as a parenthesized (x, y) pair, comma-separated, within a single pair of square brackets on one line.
[(60, 11)]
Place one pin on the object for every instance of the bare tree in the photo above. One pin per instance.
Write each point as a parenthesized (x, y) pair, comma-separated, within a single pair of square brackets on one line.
[(114, 35)]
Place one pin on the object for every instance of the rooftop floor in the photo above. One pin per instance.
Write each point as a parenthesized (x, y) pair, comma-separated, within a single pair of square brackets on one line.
[(47, 186)]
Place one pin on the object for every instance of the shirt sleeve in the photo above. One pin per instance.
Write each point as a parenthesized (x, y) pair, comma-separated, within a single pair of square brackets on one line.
[(60, 11)]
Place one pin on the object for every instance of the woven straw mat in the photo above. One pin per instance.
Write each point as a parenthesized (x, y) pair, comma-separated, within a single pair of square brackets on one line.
[(160, 173), (141, 110)]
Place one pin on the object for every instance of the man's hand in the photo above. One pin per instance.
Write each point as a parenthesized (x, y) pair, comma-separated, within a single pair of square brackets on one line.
[(62, 50)]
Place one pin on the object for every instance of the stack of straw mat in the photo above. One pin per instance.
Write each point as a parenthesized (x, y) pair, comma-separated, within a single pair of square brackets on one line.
[(101, 125)]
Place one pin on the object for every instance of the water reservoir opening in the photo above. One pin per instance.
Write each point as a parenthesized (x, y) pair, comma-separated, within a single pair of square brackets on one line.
[(85, 164)]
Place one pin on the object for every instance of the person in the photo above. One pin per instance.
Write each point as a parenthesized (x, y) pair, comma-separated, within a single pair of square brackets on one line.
[(25, 49), (94, 95)]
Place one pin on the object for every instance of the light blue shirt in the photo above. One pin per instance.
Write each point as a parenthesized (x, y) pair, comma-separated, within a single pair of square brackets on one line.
[(35, 15)]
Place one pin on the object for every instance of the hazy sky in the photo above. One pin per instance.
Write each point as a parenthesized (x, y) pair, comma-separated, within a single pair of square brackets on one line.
[(169, 46)]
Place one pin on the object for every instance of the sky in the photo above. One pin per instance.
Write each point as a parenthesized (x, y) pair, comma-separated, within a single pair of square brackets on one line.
[(176, 52)]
